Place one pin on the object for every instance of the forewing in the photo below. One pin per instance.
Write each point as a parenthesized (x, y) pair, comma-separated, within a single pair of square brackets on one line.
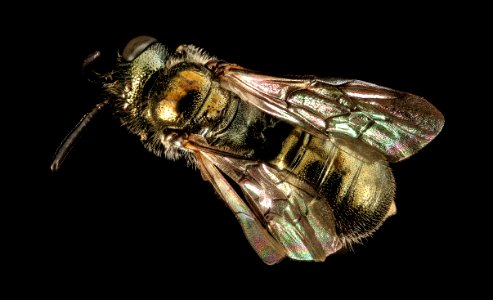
[(268, 249), (395, 123), (296, 216)]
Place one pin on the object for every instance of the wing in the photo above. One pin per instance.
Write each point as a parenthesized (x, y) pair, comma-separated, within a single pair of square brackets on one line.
[(268, 249), (282, 215), (395, 123)]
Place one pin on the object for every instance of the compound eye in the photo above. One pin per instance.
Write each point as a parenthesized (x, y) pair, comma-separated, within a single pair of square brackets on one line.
[(136, 46)]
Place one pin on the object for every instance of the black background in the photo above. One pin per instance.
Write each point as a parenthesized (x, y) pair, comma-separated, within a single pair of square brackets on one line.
[(118, 218)]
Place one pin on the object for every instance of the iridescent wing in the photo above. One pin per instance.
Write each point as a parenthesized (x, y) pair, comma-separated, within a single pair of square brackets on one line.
[(395, 123), (282, 215), (267, 248)]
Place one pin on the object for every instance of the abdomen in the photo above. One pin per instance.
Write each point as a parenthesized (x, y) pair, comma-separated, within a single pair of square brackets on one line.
[(359, 190)]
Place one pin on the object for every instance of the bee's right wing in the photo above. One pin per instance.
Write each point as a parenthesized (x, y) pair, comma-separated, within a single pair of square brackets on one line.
[(394, 123), (282, 215)]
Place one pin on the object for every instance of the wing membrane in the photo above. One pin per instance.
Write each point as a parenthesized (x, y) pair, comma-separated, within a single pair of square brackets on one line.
[(395, 123), (296, 216), (262, 242)]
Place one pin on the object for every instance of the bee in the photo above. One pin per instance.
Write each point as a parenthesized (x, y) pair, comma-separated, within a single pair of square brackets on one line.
[(310, 155)]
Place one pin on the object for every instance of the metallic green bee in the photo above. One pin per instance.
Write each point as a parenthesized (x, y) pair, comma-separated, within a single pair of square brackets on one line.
[(310, 154)]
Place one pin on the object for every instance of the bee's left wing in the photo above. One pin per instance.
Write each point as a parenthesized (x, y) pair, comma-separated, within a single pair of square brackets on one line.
[(267, 248), (282, 215), (397, 124)]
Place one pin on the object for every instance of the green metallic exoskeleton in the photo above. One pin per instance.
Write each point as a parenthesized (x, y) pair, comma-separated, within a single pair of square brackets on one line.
[(310, 154)]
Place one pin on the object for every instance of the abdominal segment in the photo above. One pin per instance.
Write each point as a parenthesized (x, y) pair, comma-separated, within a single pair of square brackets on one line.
[(360, 191)]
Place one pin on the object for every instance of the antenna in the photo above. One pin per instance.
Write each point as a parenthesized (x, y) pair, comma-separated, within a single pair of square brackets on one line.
[(71, 138)]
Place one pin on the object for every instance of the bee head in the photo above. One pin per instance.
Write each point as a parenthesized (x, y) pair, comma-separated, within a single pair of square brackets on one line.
[(141, 62), (141, 59)]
